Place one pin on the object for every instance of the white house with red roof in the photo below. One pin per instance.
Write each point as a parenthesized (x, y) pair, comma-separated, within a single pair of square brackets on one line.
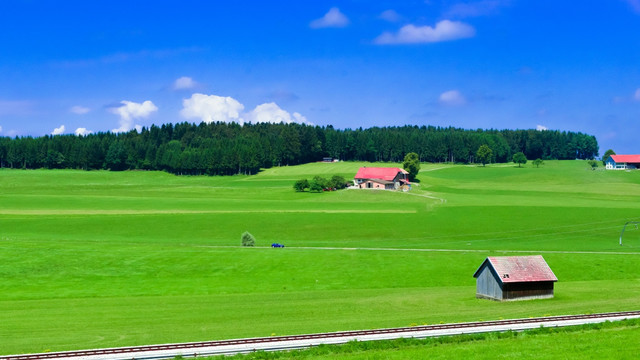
[(514, 278), (381, 178), (623, 162)]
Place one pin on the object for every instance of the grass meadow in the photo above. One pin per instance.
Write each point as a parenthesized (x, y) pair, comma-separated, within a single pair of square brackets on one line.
[(100, 259)]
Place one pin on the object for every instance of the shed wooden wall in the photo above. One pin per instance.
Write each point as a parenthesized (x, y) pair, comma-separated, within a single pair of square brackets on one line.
[(531, 290), (488, 285)]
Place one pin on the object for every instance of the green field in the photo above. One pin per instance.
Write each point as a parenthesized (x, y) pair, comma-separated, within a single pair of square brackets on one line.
[(99, 259)]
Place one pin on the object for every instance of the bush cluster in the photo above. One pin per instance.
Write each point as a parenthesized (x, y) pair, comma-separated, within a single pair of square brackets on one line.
[(248, 239), (318, 184)]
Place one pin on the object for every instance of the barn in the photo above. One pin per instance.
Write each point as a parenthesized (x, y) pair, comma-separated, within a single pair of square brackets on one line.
[(623, 162), (514, 278), (381, 178)]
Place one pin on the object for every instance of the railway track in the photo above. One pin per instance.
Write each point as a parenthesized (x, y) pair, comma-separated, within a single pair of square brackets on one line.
[(220, 347)]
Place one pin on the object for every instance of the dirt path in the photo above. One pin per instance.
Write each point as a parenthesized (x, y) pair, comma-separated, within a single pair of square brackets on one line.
[(426, 196), (41, 212), (439, 250)]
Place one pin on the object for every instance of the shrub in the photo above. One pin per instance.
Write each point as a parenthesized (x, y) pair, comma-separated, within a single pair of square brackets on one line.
[(301, 185), (315, 186), (324, 183), (537, 162), (337, 182), (318, 183), (248, 239), (519, 158)]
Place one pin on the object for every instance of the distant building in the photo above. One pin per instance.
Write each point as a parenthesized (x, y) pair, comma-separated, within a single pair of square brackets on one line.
[(623, 162), (514, 278), (381, 178)]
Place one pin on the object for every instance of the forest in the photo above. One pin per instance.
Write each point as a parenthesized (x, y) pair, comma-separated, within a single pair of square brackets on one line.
[(228, 148)]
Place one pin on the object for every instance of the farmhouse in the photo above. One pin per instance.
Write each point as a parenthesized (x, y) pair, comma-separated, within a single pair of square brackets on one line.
[(381, 178), (623, 162), (514, 278)]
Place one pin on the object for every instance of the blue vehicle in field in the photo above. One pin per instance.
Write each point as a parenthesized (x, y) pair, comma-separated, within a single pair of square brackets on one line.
[(277, 245)]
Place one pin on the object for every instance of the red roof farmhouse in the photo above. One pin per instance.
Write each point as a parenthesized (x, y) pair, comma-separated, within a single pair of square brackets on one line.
[(381, 178), (514, 278), (623, 162)]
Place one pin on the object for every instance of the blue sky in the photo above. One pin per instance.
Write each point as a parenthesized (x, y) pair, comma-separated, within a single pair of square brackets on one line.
[(89, 66)]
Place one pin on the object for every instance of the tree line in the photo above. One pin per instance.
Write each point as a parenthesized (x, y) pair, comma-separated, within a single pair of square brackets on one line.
[(229, 148)]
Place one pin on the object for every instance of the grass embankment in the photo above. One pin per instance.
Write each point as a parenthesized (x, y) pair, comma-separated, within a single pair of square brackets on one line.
[(597, 341), (96, 259)]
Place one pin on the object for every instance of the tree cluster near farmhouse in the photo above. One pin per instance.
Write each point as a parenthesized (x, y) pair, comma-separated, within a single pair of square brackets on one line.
[(411, 164), (606, 156), (318, 184), (230, 148)]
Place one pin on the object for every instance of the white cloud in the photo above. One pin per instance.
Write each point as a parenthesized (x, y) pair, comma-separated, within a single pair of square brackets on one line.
[(82, 132), (58, 130), (283, 96), (635, 97), (472, 9), (452, 98), (390, 16), (444, 30), (211, 108), (121, 57), (272, 113), (635, 4), (608, 135), (80, 110), (619, 99), (333, 18), (184, 83), (129, 111), (16, 107), (0, 129), (541, 128)]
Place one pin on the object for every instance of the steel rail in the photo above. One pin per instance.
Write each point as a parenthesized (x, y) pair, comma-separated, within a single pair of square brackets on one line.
[(275, 339)]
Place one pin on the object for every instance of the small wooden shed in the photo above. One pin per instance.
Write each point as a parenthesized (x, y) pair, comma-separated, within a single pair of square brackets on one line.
[(514, 278)]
